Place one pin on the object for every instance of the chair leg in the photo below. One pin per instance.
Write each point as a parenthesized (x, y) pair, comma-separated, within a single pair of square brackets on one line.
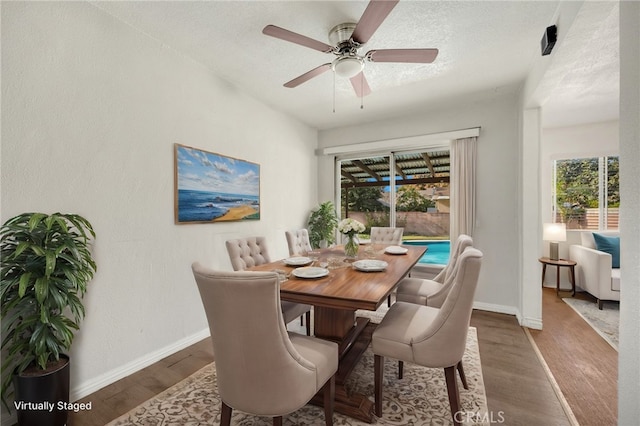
[(225, 416), (277, 421), (463, 377), (400, 369), (378, 373), (452, 390), (308, 318), (329, 400), (389, 300)]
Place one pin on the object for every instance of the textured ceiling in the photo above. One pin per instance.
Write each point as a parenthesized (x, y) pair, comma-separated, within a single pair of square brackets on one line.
[(486, 49)]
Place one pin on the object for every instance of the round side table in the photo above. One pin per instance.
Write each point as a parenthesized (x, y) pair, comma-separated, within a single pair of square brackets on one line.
[(559, 263)]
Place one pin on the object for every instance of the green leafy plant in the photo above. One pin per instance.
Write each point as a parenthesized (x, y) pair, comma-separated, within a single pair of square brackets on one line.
[(322, 224), (46, 264)]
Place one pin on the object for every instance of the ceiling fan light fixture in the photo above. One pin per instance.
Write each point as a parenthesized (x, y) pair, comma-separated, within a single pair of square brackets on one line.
[(348, 66)]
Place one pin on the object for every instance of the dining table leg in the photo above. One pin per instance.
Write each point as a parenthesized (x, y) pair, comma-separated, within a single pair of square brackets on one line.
[(353, 335)]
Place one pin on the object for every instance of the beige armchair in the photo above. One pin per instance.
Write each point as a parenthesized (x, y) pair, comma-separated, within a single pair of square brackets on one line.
[(252, 251), (431, 337), (386, 235), (298, 242), (433, 292), (261, 368)]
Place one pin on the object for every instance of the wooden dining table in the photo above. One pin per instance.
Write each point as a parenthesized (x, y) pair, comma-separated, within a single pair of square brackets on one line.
[(336, 297)]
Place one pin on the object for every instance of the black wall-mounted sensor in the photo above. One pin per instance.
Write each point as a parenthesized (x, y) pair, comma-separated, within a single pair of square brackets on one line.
[(549, 39)]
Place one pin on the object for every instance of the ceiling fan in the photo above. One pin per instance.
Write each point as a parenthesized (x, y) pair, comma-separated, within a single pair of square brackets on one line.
[(347, 39)]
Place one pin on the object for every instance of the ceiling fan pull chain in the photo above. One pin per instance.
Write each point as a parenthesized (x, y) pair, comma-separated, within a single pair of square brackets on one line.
[(361, 90), (334, 92)]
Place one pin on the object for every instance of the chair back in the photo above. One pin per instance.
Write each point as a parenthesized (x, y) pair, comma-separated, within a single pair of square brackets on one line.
[(462, 242), (443, 342), (248, 252), (298, 242), (445, 277), (258, 369), (386, 235)]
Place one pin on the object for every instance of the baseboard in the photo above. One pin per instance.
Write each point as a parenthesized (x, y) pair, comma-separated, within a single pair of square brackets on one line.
[(499, 309), (533, 323), (97, 383)]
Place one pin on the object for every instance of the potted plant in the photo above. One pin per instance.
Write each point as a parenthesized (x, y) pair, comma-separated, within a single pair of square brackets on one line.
[(46, 264), (322, 225)]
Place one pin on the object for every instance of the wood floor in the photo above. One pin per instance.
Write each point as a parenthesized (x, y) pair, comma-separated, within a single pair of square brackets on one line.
[(515, 381), (518, 392), (583, 364)]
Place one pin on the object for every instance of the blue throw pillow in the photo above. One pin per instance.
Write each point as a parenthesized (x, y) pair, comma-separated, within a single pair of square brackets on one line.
[(609, 245)]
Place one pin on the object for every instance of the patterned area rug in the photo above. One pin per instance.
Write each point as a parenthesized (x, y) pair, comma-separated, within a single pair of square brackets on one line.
[(605, 322), (420, 398)]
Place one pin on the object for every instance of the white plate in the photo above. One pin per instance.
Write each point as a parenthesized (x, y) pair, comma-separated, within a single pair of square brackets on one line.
[(310, 272), (297, 261), (369, 265), (396, 250)]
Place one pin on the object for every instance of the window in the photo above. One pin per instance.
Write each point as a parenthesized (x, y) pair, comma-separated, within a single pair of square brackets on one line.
[(587, 192), (417, 199)]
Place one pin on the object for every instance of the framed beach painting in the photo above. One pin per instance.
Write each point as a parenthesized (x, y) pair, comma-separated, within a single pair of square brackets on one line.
[(211, 187)]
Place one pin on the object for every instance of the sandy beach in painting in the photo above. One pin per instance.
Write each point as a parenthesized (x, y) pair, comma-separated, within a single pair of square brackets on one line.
[(236, 213)]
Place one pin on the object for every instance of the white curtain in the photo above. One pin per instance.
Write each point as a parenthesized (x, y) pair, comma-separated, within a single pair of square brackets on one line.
[(463, 186)]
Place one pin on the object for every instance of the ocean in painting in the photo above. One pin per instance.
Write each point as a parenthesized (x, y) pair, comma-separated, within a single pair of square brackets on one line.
[(204, 206)]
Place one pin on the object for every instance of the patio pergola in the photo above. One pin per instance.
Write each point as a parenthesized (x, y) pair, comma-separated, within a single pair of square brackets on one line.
[(410, 169)]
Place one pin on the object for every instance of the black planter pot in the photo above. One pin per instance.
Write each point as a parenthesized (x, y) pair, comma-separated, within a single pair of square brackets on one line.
[(42, 400)]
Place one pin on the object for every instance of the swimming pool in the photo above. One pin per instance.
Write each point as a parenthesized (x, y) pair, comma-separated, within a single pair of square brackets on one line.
[(437, 252)]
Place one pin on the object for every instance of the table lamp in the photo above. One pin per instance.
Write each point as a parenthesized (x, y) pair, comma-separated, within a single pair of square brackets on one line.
[(554, 232)]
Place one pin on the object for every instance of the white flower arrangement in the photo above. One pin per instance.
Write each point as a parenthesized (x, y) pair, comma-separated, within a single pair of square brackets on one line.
[(350, 226)]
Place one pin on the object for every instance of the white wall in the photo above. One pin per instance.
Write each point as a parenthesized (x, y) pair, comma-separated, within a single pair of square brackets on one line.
[(495, 232), (91, 109), (629, 359)]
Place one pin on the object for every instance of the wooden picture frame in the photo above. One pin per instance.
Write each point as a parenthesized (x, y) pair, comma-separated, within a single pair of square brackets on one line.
[(211, 187)]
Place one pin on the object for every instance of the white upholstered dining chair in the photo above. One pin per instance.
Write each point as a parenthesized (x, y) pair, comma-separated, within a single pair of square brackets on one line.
[(433, 292), (431, 337), (261, 368), (298, 242), (389, 236), (252, 251), (386, 235)]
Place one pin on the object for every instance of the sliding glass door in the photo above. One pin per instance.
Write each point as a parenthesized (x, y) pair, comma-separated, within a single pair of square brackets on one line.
[(364, 193), (402, 189)]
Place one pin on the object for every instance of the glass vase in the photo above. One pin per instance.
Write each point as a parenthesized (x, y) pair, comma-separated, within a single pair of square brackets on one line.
[(351, 246)]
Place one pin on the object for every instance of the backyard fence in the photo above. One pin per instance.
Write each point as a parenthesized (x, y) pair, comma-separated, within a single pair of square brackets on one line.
[(414, 223)]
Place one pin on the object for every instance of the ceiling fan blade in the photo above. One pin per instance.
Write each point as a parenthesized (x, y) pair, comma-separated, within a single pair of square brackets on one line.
[(281, 33), (308, 76), (418, 56), (360, 85), (375, 13)]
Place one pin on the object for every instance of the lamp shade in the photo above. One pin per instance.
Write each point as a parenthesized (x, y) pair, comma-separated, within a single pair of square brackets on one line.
[(554, 232)]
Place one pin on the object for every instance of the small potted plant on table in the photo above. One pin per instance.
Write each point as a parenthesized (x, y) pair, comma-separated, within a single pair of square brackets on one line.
[(46, 264)]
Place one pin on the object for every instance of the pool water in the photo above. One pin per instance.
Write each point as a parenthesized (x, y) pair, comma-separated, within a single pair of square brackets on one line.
[(437, 251)]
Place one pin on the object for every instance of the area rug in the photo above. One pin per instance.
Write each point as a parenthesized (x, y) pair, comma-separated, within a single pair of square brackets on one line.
[(420, 398), (605, 322)]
